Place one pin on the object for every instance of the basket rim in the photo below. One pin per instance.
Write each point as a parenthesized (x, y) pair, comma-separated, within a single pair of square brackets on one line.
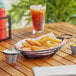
[(38, 50)]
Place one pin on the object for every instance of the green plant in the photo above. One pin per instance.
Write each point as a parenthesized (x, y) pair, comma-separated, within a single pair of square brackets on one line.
[(57, 10)]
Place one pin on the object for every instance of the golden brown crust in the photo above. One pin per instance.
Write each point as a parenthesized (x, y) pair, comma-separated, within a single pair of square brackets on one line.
[(41, 44)]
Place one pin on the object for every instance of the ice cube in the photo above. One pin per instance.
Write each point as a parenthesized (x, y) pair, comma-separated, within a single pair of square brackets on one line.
[(37, 7)]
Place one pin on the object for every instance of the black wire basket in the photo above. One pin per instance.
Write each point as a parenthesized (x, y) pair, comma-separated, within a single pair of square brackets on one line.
[(41, 53)]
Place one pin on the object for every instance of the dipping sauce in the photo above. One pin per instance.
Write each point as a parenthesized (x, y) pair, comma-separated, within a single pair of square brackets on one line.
[(73, 44)]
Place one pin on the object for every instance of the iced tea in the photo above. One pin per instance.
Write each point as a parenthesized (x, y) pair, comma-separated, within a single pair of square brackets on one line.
[(38, 17)]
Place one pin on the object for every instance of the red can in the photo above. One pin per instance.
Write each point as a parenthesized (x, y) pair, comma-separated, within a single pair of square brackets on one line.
[(3, 33)]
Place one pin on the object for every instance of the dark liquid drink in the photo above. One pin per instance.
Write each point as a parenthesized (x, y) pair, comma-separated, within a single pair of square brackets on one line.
[(38, 17)]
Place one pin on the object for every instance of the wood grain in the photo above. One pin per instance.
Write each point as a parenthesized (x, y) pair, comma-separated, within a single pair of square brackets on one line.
[(23, 66)]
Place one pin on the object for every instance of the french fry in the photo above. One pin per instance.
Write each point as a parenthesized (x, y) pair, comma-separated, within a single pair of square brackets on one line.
[(35, 42), (35, 48), (41, 44), (52, 45), (44, 40), (26, 45), (23, 48), (44, 47), (55, 40), (46, 37)]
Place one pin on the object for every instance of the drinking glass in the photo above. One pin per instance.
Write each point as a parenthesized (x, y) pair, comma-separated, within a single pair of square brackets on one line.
[(38, 17)]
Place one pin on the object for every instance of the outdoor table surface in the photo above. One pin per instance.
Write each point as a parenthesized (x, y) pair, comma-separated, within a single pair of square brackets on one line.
[(23, 66)]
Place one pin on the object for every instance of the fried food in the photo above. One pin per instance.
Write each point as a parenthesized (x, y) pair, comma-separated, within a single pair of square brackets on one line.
[(44, 47), (26, 45), (33, 42), (46, 37), (51, 44), (55, 40), (44, 40), (34, 48), (41, 44), (23, 48)]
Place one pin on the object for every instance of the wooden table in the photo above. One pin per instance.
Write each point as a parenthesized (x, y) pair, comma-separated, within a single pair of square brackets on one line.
[(23, 67)]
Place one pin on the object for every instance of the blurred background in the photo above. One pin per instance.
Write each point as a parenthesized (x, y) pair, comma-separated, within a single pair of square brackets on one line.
[(57, 11)]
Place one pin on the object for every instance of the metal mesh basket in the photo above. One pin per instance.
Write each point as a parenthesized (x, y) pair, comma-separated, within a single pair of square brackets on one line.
[(44, 53), (41, 53)]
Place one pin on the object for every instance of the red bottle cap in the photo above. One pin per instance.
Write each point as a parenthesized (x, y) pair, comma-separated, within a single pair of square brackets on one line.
[(2, 11)]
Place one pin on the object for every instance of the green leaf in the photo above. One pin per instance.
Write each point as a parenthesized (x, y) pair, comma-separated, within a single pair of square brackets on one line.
[(57, 10)]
